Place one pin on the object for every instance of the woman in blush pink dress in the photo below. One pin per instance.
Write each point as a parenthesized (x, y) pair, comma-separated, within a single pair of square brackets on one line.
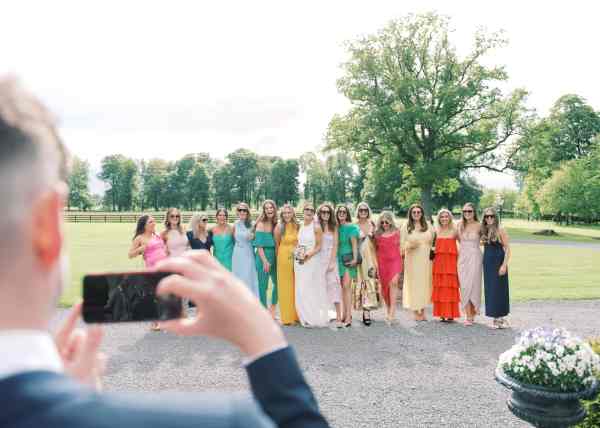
[(470, 263), (149, 245), (389, 260), (329, 246), (174, 234)]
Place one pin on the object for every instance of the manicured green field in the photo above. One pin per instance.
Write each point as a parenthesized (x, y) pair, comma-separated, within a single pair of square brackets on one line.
[(536, 271)]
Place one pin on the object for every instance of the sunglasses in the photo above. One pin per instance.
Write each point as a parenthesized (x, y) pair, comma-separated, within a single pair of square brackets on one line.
[(385, 222), (175, 216), (342, 212), (467, 211), (489, 216), (242, 210), (325, 212), (363, 210), (204, 220)]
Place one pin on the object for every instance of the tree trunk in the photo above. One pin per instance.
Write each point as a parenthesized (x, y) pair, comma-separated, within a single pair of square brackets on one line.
[(426, 200)]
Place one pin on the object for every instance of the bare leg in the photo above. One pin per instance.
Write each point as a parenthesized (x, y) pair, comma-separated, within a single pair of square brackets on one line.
[(273, 310), (393, 298), (347, 298), (338, 312)]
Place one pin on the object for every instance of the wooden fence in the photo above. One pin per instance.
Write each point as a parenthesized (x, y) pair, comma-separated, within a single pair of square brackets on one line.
[(115, 217)]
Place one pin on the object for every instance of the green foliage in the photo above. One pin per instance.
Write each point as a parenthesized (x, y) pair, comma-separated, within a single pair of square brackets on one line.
[(416, 101), (592, 419), (502, 200), (120, 173), (79, 192)]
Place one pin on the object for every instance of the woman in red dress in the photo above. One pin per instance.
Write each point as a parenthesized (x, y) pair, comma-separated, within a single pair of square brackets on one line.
[(389, 260), (446, 294)]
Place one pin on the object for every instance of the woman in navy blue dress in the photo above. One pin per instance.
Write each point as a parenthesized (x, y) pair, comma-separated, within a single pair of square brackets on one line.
[(198, 235), (496, 255)]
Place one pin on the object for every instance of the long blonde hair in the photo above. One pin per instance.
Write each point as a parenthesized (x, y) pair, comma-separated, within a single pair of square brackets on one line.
[(389, 216), (195, 221), (490, 233), (168, 223), (293, 221)]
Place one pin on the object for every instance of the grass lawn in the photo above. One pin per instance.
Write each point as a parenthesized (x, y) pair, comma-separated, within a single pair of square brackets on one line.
[(522, 229), (536, 271)]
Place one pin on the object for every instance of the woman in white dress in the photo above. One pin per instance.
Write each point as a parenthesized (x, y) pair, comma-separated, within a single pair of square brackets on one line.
[(311, 290)]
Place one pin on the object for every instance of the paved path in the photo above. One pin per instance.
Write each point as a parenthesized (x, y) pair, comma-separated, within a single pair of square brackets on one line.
[(409, 375)]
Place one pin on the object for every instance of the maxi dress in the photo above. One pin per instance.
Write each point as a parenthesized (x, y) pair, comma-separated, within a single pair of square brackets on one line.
[(285, 274), (266, 241), (346, 232), (446, 290), (416, 292), (311, 295), (470, 269), (223, 249), (242, 262), (366, 288), (497, 299), (332, 277), (389, 261)]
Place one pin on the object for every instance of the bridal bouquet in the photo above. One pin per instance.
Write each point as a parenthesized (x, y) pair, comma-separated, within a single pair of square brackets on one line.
[(551, 358), (300, 253)]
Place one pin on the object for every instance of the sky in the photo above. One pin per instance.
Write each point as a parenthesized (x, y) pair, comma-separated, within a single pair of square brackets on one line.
[(163, 79)]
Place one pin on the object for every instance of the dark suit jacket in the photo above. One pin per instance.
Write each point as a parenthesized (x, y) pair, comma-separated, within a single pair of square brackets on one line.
[(48, 400)]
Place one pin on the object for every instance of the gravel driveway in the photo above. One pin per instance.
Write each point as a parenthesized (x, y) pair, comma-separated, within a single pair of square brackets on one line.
[(409, 375)]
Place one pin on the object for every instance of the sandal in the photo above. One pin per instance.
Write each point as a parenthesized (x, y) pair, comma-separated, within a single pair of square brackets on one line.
[(366, 321), (468, 323)]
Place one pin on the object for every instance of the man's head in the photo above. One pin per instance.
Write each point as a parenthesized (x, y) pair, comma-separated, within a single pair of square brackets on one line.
[(33, 169)]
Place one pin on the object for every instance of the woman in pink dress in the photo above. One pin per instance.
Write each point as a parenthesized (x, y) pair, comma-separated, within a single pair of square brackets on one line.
[(149, 245), (176, 241), (329, 244), (389, 260)]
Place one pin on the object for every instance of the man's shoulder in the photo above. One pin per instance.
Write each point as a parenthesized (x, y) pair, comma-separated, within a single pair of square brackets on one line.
[(50, 399)]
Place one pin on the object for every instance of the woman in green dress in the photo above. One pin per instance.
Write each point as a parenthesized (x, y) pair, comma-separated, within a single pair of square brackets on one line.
[(347, 258), (265, 245), (222, 237)]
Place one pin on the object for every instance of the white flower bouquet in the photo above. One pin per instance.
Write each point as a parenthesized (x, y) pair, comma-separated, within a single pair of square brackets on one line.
[(551, 358), (300, 254)]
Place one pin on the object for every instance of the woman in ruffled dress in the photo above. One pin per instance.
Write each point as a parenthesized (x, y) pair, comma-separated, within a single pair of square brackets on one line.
[(446, 294), (329, 246), (366, 295), (243, 264), (470, 263), (286, 240), (389, 261), (417, 238)]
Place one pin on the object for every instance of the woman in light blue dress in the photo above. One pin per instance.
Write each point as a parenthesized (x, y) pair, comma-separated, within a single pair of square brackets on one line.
[(243, 263)]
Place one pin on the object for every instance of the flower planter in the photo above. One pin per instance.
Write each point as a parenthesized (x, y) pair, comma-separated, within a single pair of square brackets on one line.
[(545, 407)]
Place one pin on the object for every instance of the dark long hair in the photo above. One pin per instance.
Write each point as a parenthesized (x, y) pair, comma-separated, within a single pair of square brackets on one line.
[(332, 223), (348, 215), (411, 223), (140, 228), (490, 233)]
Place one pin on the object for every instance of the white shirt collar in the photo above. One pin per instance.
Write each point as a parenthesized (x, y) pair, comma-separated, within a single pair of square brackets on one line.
[(27, 350)]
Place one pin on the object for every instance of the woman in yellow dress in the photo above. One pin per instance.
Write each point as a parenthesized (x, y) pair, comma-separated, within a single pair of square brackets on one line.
[(286, 240), (417, 239)]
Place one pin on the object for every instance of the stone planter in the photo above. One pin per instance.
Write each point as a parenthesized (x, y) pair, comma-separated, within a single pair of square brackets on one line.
[(545, 407)]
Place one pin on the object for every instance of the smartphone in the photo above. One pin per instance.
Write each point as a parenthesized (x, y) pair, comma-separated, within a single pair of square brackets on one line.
[(127, 296)]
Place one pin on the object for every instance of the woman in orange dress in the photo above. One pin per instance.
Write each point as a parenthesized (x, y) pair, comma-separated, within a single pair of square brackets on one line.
[(446, 294)]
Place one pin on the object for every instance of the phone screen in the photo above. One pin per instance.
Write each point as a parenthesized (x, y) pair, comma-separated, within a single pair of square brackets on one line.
[(120, 297)]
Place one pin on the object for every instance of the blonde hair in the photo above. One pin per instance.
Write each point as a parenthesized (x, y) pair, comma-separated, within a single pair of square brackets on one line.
[(194, 222), (293, 221), (389, 216), (450, 218), (363, 205)]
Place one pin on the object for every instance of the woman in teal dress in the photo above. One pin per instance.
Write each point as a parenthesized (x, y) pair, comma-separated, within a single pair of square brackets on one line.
[(347, 258), (264, 242), (222, 236)]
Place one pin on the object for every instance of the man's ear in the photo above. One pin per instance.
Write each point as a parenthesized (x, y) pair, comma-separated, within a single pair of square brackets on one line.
[(47, 228)]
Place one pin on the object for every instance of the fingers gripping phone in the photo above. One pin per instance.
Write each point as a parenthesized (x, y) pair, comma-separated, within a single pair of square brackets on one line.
[(127, 296)]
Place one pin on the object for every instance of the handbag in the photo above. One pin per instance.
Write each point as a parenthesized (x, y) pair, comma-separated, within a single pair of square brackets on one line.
[(432, 250), (347, 259)]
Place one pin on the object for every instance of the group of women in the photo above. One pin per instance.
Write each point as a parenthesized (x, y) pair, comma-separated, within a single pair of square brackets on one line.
[(329, 262)]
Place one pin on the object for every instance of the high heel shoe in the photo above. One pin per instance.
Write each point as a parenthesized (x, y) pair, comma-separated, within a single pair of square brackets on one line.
[(366, 321)]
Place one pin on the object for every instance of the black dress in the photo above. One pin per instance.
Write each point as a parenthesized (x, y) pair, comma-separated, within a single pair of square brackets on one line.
[(197, 244), (495, 286)]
